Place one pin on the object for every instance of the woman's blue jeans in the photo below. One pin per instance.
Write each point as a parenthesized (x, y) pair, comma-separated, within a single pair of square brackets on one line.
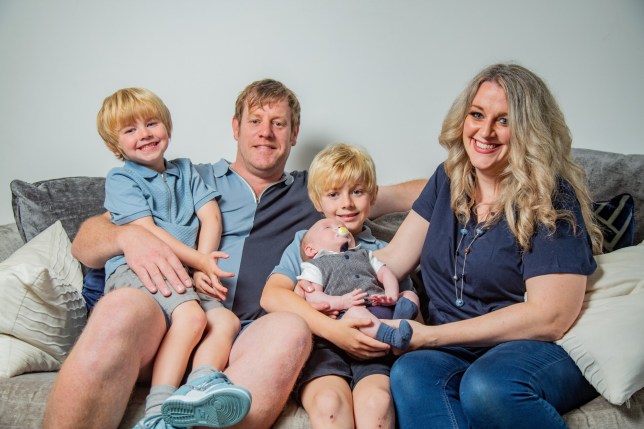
[(518, 384)]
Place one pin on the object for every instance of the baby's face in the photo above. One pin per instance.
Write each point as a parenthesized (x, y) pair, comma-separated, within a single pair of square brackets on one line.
[(332, 235)]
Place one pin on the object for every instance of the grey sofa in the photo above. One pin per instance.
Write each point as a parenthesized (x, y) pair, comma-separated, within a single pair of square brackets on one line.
[(23, 397)]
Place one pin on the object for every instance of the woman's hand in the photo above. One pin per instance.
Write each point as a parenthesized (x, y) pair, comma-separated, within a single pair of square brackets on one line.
[(419, 330)]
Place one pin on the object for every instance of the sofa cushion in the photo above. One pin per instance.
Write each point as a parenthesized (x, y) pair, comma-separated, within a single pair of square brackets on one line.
[(71, 200), (615, 218), (10, 240), (610, 174), (605, 341), (43, 310)]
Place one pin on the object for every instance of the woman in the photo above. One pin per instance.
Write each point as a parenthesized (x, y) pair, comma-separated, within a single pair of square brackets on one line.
[(504, 264)]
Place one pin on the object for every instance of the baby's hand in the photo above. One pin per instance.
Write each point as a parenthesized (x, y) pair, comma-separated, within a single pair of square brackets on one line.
[(353, 298), (383, 300)]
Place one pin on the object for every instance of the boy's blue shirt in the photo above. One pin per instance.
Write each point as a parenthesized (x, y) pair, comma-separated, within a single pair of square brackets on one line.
[(171, 198)]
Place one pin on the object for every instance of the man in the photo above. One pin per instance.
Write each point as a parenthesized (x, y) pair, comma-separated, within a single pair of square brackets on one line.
[(262, 208)]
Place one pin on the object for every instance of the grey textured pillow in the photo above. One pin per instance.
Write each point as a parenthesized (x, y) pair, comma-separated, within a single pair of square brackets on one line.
[(610, 174), (71, 200)]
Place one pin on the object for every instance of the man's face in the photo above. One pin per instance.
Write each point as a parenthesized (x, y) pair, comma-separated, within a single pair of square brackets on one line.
[(264, 137)]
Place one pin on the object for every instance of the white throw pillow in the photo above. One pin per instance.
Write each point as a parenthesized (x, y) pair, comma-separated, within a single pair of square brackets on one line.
[(606, 341), (43, 311)]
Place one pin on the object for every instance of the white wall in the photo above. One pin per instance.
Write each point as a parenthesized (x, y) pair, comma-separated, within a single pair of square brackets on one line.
[(377, 73)]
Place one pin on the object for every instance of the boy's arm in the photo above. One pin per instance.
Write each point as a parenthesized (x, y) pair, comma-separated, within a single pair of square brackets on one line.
[(150, 258), (209, 238), (210, 227), (396, 198), (187, 255)]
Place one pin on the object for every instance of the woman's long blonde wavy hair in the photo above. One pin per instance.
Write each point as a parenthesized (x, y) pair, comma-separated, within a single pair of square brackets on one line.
[(539, 156)]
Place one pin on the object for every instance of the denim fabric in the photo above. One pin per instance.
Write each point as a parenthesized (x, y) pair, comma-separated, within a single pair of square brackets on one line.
[(518, 384), (93, 287)]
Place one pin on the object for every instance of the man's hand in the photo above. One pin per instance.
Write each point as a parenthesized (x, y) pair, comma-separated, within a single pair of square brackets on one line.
[(153, 261)]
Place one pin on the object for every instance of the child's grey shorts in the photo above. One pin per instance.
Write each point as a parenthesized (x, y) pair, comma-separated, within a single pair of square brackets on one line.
[(125, 277)]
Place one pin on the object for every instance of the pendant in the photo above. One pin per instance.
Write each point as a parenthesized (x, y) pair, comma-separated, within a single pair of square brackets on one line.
[(459, 302)]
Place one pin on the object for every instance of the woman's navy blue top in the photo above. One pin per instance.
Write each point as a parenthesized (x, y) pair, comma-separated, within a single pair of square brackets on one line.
[(496, 269)]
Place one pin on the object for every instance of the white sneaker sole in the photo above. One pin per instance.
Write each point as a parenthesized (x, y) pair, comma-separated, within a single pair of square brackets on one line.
[(217, 409)]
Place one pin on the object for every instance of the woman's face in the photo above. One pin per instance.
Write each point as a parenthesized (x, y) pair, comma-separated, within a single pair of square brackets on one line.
[(486, 132)]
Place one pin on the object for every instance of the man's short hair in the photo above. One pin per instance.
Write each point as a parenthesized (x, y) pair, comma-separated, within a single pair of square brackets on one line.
[(267, 91)]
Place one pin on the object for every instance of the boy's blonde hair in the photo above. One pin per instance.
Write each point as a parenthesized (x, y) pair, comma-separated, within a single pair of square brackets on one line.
[(125, 106), (337, 165)]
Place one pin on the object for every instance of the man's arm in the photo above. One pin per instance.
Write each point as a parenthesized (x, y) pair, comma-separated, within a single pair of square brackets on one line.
[(149, 257), (278, 295), (397, 198), (96, 242)]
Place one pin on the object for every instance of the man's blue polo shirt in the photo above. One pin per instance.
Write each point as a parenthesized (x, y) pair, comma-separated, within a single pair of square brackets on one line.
[(256, 230)]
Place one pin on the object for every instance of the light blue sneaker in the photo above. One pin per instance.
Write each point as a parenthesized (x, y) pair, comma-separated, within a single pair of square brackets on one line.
[(154, 421), (211, 401)]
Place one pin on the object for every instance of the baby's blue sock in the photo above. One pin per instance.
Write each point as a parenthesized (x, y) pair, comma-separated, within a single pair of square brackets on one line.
[(405, 309), (398, 338)]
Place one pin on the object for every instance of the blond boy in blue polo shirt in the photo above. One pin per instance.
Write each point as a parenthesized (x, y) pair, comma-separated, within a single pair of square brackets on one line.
[(170, 199)]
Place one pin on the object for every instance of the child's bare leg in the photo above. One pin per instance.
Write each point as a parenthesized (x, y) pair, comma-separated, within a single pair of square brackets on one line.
[(188, 323), (328, 402), (361, 312), (214, 349), (373, 405), (209, 398)]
